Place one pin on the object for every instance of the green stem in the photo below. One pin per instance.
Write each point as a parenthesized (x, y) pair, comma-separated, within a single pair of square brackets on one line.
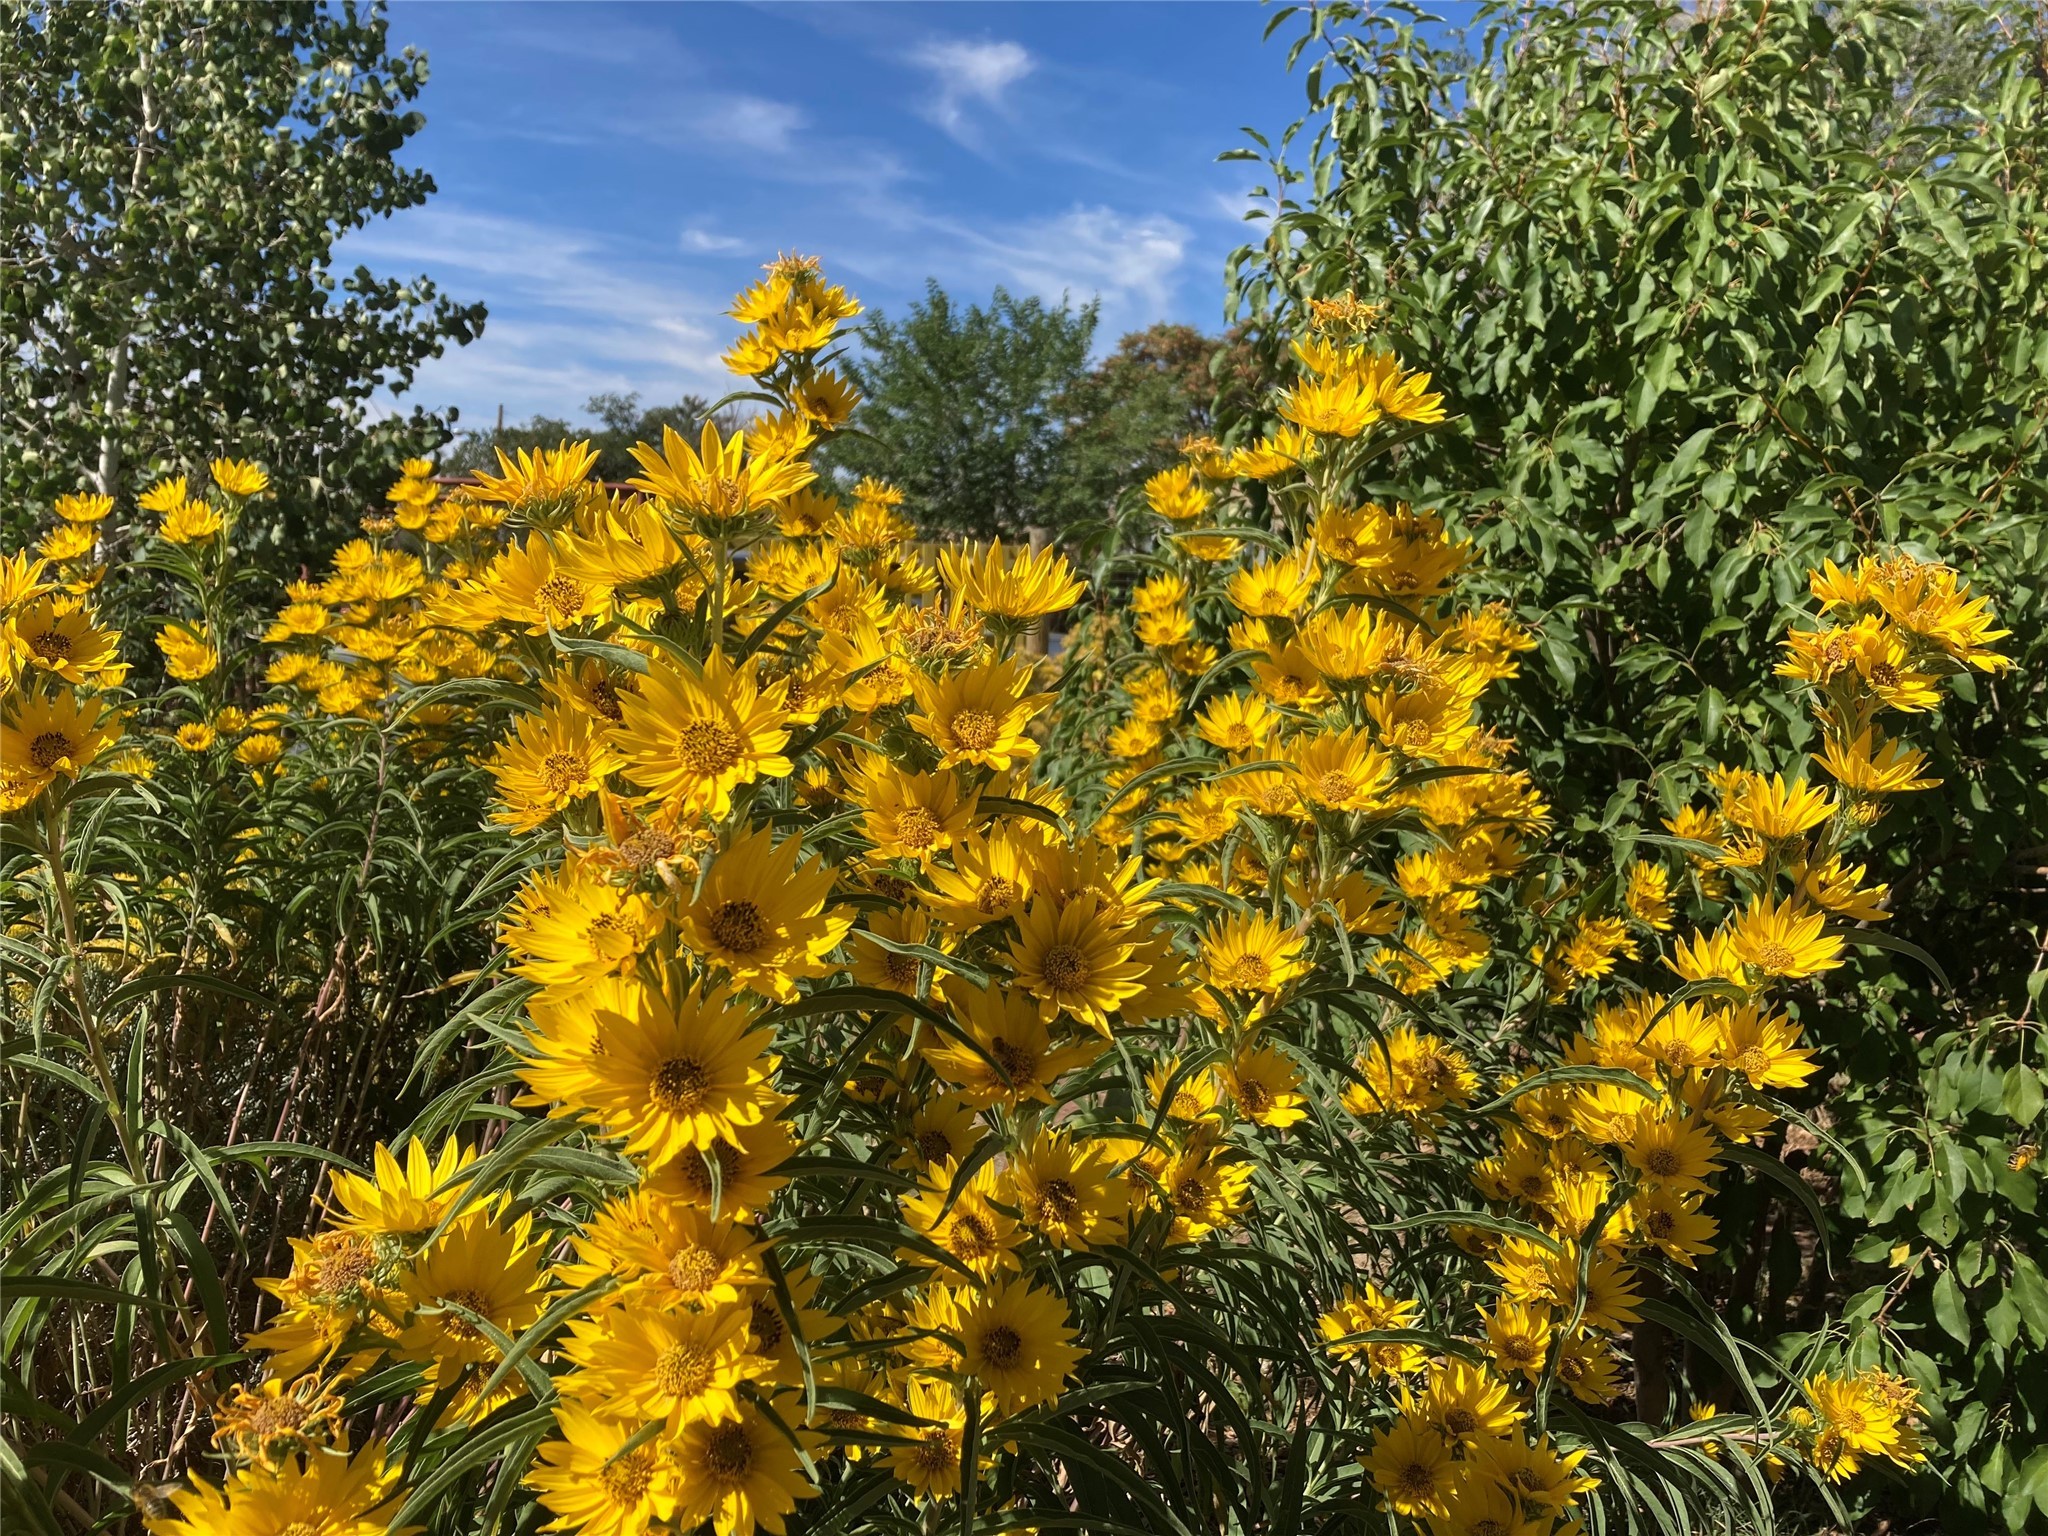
[(96, 1052), (95, 1046), (718, 601)]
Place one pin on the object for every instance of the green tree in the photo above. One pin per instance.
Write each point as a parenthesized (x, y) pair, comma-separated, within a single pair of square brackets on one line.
[(624, 422), (962, 408), (177, 174), (1724, 290), (1128, 415)]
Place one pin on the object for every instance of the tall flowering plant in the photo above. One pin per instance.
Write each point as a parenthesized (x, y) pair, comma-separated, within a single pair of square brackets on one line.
[(1238, 1123)]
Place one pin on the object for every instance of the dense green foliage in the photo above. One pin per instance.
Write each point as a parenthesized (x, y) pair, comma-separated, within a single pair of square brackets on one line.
[(310, 929), (177, 176), (1724, 291), (1127, 416), (993, 421), (959, 407)]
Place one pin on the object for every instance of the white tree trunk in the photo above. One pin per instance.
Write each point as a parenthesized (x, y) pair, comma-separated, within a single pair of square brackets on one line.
[(116, 402)]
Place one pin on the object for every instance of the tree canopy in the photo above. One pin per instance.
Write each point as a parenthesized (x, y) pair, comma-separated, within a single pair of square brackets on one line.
[(993, 420), (178, 174), (959, 408)]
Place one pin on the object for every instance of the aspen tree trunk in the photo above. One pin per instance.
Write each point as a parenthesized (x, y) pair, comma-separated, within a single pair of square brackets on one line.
[(116, 401)]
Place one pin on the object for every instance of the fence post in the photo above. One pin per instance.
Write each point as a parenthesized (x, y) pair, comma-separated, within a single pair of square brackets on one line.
[(1035, 637)]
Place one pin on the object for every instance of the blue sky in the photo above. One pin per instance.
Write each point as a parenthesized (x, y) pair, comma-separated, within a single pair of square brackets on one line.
[(610, 174)]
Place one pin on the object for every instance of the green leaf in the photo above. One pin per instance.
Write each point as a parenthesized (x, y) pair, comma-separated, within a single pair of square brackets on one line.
[(2023, 1096), (2029, 1291), (1950, 1310)]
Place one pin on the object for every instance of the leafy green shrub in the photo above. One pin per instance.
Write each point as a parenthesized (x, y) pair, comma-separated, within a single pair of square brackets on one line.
[(1724, 292)]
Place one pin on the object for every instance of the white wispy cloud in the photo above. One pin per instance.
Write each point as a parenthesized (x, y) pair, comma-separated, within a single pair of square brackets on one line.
[(969, 73), (571, 314), (1131, 262), (751, 122), (706, 243)]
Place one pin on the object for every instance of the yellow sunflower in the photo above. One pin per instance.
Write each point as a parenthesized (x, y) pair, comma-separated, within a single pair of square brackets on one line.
[(991, 878), (1238, 723), (1764, 1047), (1067, 1190), (978, 716), (745, 1158), (592, 1484), (1340, 771), (1781, 939), (1672, 1220), (1672, 1151), (1276, 589), (1175, 495), (927, 1457), (676, 1252), (909, 815), (46, 737), (238, 478), (329, 1491), (1774, 810), (573, 926), (670, 1075), (641, 1361), (525, 587), (1070, 960), (692, 740), (1008, 1055), (57, 637), (1202, 1185), (740, 1474), (1336, 407), (478, 1268), (1264, 1085), (399, 1199), (1253, 954), (942, 1126), (965, 1221), (542, 485), (719, 483), (1027, 584), (188, 654), (1518, 1338), (1463, 1402), (761, 915), (1411, 1467), (874, 965), (550, 761), (1872, 764), (1015, 1341), (82, 507)]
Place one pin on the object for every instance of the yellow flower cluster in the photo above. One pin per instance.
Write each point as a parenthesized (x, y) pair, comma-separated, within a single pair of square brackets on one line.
[(375, 623), (905, 1078), (719, 662), (1354, 732), (59, 666), (1346, 789), (795, 315), (1872, 1413), (1609, 1172), (55, 659)]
